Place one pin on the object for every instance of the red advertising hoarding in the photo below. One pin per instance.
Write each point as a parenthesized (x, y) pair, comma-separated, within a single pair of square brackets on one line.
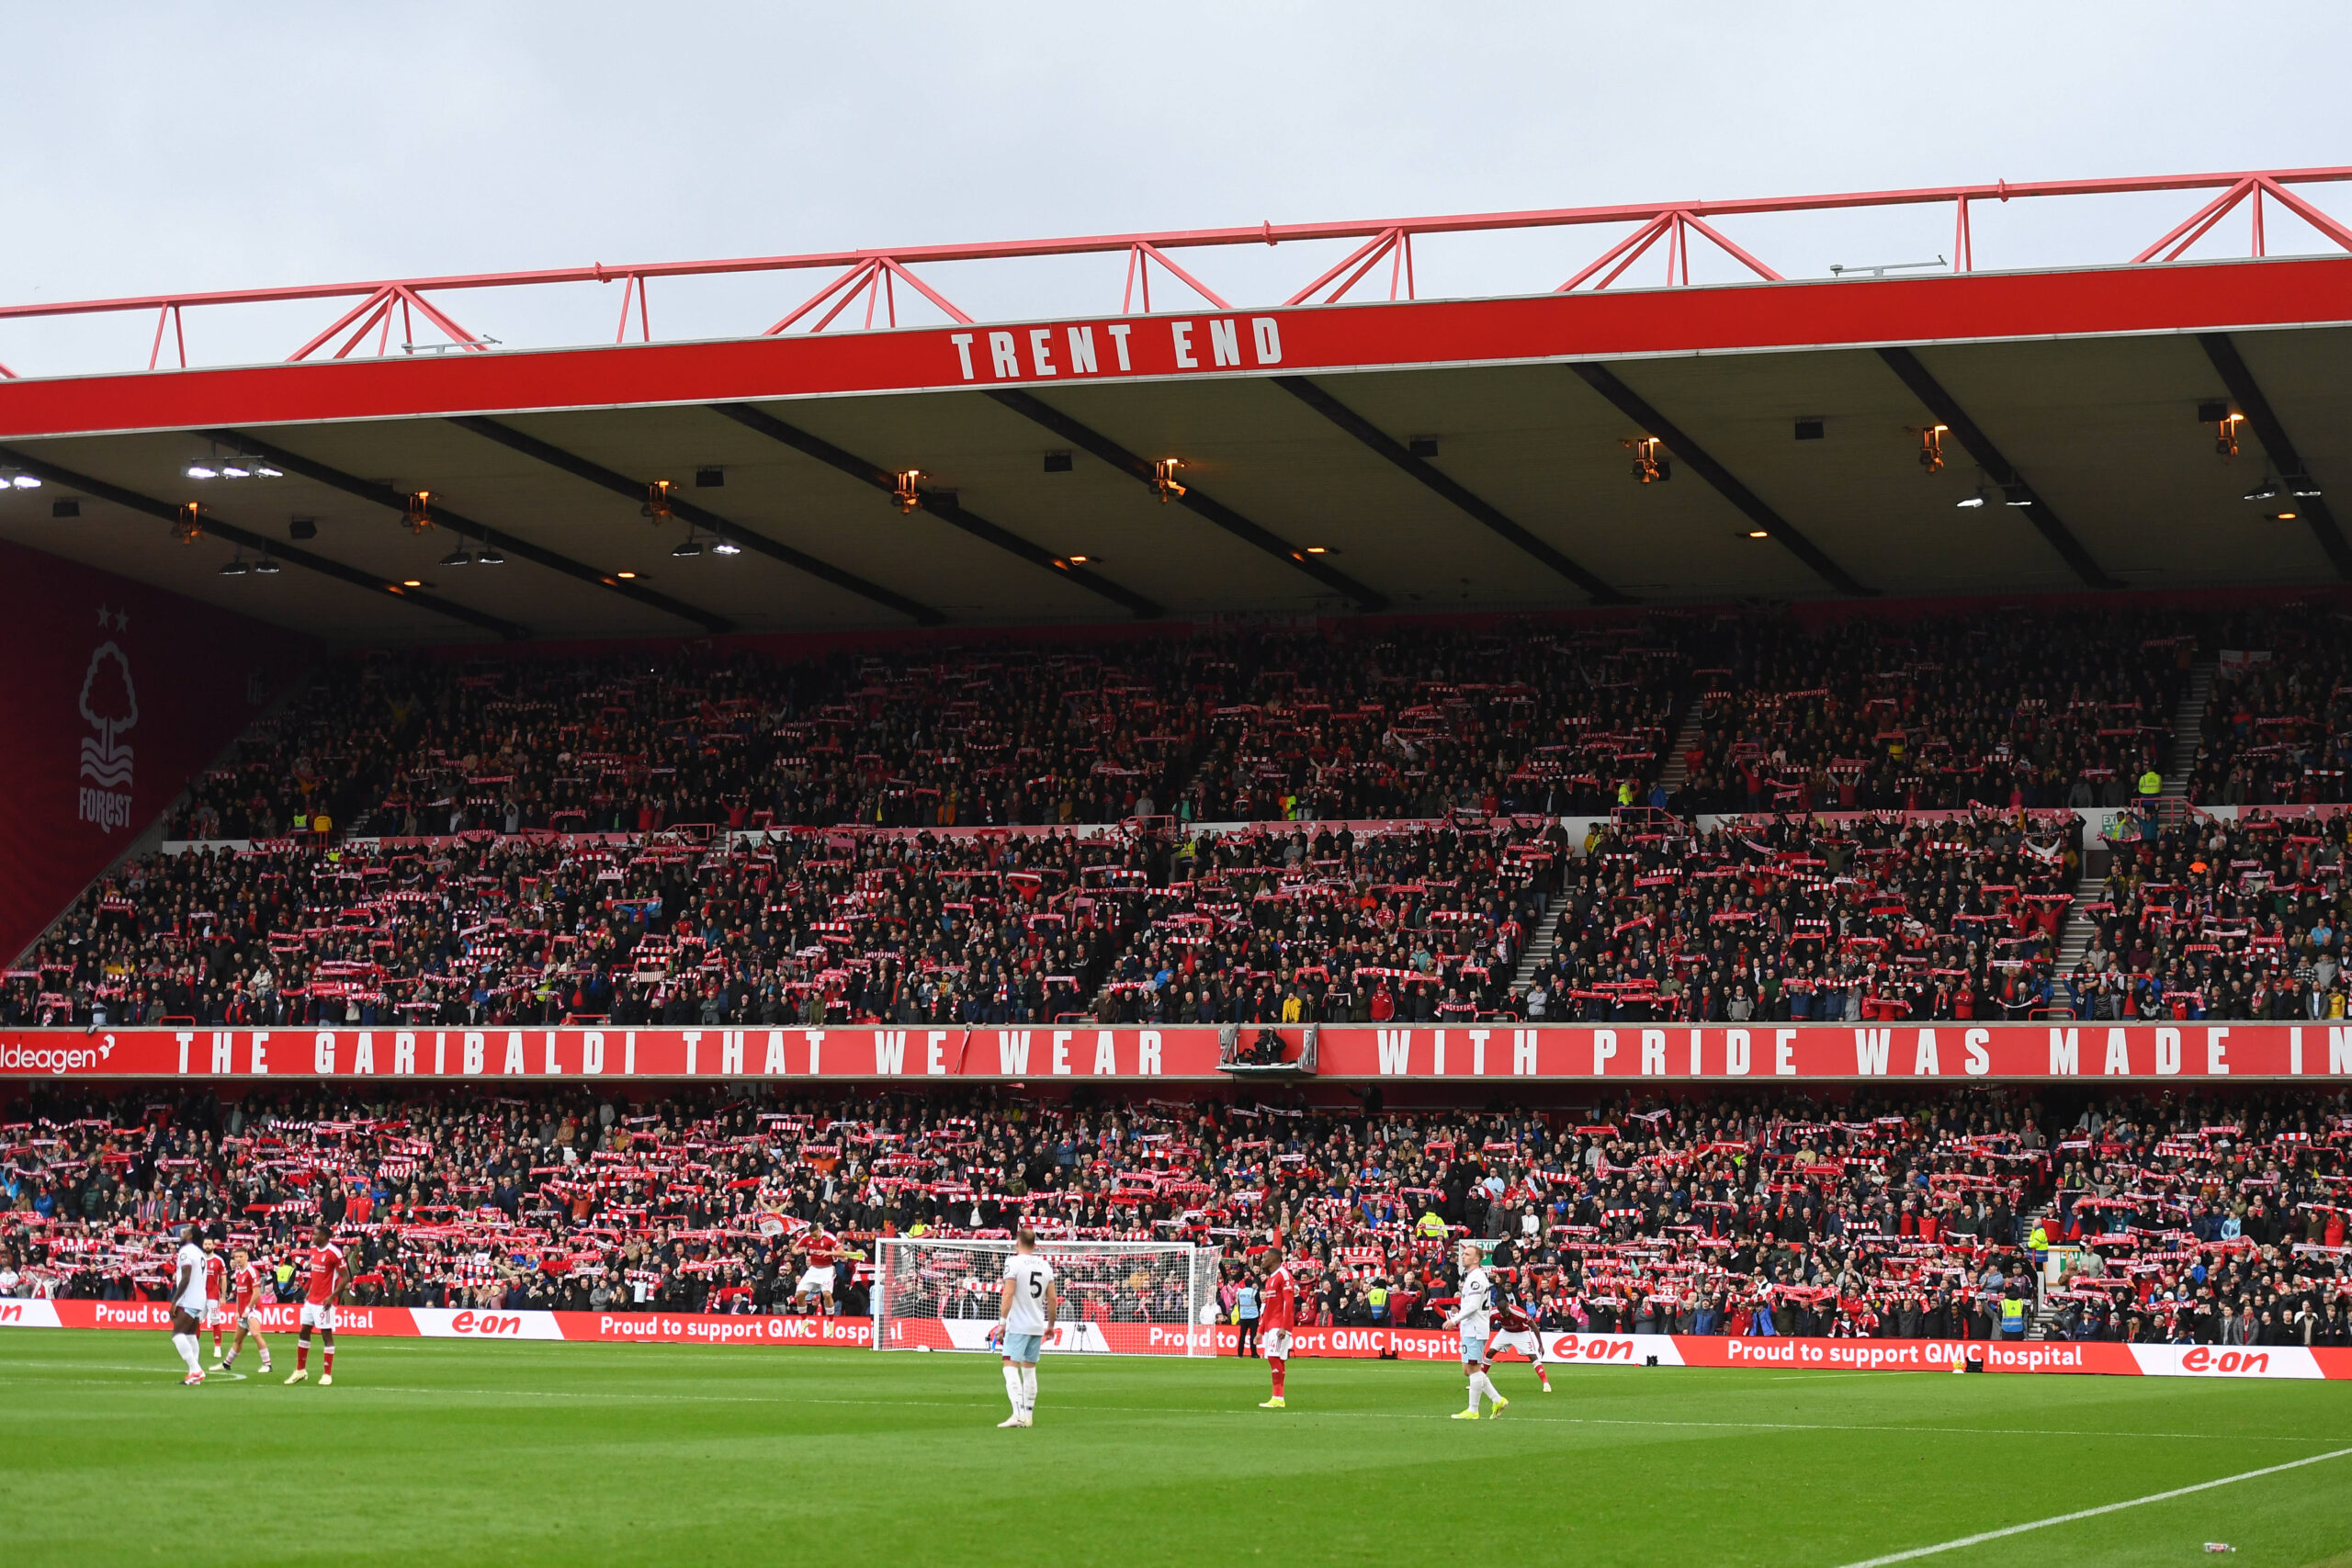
[(2027, 1357)]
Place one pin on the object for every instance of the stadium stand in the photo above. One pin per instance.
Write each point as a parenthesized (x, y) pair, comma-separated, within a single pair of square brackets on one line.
[(2008, 709), (1402, 722), (1423, 822), (2227, 919), (2275, 729), (2174, 1218)]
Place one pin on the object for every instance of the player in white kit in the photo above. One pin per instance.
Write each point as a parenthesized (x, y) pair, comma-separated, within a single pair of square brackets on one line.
[(1474, 1315), (1026, 1307), (189, 1304)]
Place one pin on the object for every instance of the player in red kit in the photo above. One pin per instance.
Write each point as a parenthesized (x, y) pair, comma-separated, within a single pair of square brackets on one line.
[(1277, 1315), (216, 1283), (329, 1272), (1517, 1328), (816, 1279), (244, 1307)]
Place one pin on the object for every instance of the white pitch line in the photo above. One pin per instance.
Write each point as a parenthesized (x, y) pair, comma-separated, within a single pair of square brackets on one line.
[(616, 1396), (1980, 1539)]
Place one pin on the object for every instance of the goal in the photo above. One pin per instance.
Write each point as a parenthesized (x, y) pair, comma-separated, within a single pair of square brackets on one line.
[(1137, 1297)]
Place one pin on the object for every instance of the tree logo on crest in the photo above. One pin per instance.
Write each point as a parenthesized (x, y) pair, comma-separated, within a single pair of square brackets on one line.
[(110, 704)]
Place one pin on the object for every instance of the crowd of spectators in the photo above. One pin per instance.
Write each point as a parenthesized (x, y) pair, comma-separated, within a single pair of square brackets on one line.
[(720, 836), (1398, 722), (1868, 918), (2277, 727), (2217, 918), (1392, 720), (2006, 709), (2168, 1218)]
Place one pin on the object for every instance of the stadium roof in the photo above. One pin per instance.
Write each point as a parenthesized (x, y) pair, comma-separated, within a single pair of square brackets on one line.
[(1336, 456)]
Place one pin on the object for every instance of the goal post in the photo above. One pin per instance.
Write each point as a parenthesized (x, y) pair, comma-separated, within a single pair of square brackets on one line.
[(1134, 1297)]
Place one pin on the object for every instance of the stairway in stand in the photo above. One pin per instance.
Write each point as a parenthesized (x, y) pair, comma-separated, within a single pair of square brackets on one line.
[(2075, 940), (1541, 945), (1677, 771), (2188, 732), (2045, 1315)]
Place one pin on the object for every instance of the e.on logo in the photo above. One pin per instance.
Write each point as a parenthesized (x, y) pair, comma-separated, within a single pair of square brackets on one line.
[(2246, 1363), (1567, 1348), (487, 1323)]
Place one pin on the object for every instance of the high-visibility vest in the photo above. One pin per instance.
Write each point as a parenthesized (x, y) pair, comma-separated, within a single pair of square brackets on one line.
[(2012, 1315), (2151, 783), (1431, 1224)]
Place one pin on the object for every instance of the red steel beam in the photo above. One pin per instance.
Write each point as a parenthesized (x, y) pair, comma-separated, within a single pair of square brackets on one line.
[(1259, 234), (861, 265)]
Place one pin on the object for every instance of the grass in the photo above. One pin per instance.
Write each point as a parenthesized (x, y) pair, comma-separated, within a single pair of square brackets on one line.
[(427, 1452)]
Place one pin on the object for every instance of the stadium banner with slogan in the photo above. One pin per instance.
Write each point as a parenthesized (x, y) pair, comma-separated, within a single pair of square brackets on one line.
[(656, 1327), (2193, 1051)]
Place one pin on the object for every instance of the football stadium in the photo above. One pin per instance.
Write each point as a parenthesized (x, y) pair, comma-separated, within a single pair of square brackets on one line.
[(1193, 894)]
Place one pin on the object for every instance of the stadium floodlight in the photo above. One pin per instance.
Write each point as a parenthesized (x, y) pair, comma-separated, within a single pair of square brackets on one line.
[(2015, 495), (456, 557), (267, 567), (234, 567), (234, 468), (2267, 490), (1880, 269), (24, 481), (723, 546), (1931, 447), (1649, 466), (265, 471), (1973, 498), (686, 548), (2297, 484), (202, 471), (488, 556)]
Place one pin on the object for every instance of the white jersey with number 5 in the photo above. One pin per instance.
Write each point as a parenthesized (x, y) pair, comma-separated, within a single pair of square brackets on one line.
[(1031, 1274)]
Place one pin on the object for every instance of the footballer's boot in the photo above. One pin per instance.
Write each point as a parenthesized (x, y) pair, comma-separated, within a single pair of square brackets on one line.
[(194, 1380), (300, 1376), (1274, 1404), (1013, 1420), (327, 1380), (1466, 1415), (1502, 1405)]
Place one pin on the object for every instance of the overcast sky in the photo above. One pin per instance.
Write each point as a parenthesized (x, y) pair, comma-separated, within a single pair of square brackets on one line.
[(153, 148)]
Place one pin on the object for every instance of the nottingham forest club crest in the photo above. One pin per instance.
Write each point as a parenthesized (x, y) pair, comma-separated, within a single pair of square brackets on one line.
[(110, 705)]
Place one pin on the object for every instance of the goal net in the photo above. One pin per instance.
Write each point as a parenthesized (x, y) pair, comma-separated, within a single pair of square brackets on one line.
[(1124, 1297)]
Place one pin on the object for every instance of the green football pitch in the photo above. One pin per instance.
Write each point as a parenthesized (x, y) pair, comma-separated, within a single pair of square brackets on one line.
[(571, 1454)]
